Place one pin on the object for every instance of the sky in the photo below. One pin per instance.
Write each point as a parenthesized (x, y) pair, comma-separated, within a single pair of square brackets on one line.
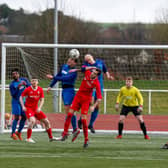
[(98, 10)]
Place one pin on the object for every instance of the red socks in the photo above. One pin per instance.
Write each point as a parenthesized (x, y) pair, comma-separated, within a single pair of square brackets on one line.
[(49, 131), (67, 123), (29, 133)]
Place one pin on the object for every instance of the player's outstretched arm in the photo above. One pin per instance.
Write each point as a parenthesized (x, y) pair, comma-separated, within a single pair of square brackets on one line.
[(85, 68), (53, 82), (67, 77), (49, 76), (109, 77), (74, 70)]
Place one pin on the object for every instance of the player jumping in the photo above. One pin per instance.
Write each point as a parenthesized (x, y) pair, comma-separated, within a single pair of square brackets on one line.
[(82, 100), (91, 62), (68, 83)]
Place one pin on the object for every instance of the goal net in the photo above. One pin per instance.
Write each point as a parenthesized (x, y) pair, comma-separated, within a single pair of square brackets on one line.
[(147, 64)]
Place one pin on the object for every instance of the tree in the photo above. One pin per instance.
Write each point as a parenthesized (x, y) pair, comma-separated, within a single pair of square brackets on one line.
[(5, 11), (159, 33), (71, 29)]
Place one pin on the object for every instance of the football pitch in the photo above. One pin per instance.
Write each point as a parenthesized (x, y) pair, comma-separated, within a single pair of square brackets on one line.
[(104, 151)]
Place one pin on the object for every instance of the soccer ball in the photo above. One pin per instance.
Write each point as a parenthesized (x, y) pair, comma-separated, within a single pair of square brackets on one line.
[(74, 53)]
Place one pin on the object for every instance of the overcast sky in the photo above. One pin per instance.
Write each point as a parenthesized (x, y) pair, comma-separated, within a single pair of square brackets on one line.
[(98, 10)]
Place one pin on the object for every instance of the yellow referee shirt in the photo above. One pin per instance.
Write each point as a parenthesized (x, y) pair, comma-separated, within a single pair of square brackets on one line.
[(130, 96)]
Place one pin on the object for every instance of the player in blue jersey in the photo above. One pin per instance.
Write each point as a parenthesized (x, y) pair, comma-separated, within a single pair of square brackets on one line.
[(68, 82), (90, 61), (16, 88)]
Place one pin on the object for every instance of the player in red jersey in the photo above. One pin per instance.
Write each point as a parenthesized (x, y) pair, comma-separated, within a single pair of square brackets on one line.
[(32, 108), (82, 100)]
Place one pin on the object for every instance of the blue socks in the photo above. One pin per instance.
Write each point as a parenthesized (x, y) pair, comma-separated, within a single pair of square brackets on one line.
[(73, 122), (93, 117), (21, 124), (14, 124)]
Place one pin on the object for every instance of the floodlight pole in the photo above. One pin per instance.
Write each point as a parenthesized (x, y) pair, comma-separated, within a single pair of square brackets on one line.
[(55, 95)]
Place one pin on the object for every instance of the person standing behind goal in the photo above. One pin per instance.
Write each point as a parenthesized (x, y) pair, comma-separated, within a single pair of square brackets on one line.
[(132, 102)]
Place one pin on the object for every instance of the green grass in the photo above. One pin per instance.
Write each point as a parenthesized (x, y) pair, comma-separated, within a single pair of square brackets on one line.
[(104, 151)]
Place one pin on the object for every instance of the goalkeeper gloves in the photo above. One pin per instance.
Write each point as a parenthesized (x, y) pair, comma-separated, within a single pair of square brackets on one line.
[(140, 108)]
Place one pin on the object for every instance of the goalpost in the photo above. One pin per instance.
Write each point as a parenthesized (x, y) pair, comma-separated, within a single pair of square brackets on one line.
[(148, 64)]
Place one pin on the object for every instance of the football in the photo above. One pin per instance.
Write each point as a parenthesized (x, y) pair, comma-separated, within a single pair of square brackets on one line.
[(74, 53)]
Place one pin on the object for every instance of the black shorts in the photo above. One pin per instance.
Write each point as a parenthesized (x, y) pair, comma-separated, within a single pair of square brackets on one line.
[(126, 109)]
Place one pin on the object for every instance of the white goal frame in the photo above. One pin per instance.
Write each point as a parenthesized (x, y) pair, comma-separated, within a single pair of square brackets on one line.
[(37, 45)]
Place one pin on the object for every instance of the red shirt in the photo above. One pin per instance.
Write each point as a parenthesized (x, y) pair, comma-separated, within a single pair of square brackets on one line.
[(32, 96), (88, 85)]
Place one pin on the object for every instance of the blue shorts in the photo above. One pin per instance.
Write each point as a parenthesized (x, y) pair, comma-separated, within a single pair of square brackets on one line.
[(68, 95), (17, 109)]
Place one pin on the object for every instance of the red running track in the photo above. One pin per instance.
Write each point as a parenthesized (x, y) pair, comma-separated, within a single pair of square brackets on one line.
[(110, 122)]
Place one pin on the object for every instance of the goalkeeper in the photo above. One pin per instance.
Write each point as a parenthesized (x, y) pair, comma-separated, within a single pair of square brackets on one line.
[(132, 102)]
